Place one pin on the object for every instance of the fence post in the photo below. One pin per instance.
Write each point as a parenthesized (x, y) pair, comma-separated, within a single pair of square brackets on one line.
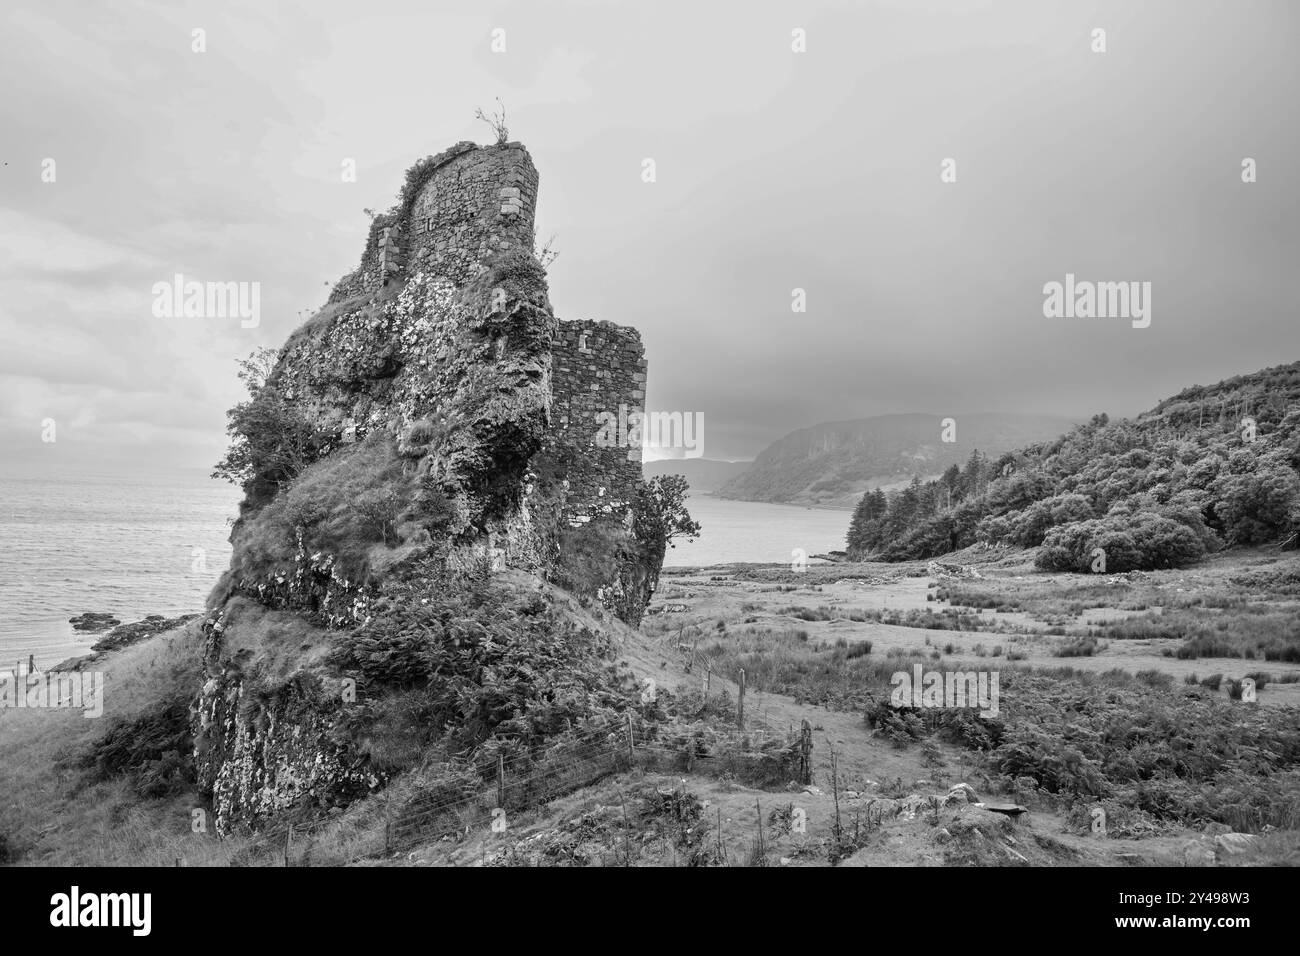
[(501, 780), (722, 850), (835, 794), (627, 842), (805, 752), (631, 745), (740, 705), (388, 824), (708, 680)]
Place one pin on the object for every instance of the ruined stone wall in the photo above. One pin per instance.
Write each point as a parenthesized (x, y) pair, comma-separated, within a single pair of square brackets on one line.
[(478, 204), (598, 369), (461, 208)]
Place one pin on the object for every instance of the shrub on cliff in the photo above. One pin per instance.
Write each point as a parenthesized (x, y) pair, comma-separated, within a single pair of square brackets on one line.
[(434, 509), (344, 505), (155, 750), (587, 553), (478, 662), (377, 511), (271, 440), (660, 515)]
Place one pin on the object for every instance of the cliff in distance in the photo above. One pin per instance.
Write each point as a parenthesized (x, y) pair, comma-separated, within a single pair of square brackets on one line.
[(832, 464)]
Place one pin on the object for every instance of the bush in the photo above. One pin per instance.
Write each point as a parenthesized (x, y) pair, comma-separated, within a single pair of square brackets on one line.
[(1080, 647), (473, 660), (154, 750), (342, 506), (1027, 528), (271, 440), (377, 509), (435, 510), (1259, 505), (1157, 679), (1130, 542), (587, 555)]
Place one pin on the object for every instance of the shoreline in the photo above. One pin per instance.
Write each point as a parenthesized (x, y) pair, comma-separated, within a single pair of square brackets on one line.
[(846, 509)]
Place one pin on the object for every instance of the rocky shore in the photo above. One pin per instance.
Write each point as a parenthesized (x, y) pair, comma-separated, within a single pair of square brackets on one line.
[(118, 635)]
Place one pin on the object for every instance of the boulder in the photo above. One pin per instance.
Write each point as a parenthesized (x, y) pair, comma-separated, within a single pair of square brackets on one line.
[(1233, 844), (960, 793), (1199, 852), (93, 621)]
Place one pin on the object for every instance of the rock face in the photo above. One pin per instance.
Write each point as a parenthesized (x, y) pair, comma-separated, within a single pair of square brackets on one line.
[(440, 351), (470, 346)]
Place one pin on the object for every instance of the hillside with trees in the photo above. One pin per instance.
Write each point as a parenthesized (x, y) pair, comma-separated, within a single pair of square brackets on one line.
[(1214, 466)]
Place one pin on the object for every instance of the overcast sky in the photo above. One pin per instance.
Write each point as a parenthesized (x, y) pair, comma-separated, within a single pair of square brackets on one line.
[(776, 170)]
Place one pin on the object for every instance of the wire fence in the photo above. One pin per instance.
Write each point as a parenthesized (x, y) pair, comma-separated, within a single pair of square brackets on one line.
[(525, 782)]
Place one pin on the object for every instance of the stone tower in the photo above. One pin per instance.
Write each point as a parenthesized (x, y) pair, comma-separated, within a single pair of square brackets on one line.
[(447, 322)]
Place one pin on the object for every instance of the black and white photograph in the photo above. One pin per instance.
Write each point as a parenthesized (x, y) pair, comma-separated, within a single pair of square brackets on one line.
[(573, 434)]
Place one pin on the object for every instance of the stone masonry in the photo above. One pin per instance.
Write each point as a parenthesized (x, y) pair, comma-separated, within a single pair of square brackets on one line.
[(472, 203), (599, 368)]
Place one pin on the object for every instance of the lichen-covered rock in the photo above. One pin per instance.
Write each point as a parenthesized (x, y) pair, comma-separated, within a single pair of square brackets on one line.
[(259, 760)]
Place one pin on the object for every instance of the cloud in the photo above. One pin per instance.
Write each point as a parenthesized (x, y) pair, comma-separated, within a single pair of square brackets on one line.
[(776, 171)]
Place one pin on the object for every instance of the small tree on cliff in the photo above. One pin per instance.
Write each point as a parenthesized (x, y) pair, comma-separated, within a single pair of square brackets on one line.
[(497, 121), (661, 515), (271, 441)]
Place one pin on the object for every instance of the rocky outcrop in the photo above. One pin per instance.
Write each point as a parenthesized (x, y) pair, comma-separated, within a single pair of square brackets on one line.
[(454, 423), (93, 621)]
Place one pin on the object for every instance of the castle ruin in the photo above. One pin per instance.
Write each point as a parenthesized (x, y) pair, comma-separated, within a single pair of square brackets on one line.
[(447, 321)]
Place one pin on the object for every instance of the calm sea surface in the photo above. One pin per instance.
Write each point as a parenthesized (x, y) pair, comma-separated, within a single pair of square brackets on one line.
[(757, 532), (130, 546), (157, 544)]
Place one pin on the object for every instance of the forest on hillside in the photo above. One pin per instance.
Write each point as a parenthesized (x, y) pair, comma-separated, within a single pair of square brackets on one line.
[(1213, 466)]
